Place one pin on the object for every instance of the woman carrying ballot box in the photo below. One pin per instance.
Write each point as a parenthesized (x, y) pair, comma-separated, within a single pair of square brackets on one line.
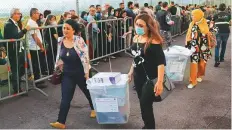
[(149, 60), (198, 39), (73, 60)]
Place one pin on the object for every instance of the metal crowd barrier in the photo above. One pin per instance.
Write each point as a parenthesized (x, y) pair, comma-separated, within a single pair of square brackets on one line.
[(105, 38), (13, 69), (180, 26), (42, 63)]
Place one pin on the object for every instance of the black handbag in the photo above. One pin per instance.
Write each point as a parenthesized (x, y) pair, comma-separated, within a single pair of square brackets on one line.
[(148, 88)]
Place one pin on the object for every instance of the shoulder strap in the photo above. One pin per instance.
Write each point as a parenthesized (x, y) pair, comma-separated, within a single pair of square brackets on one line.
[(142, 63)]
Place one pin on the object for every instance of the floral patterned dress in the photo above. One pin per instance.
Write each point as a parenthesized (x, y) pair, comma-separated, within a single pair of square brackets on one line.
[(199, 43)]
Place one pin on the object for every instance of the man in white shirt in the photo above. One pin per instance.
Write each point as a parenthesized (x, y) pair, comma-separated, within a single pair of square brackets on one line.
[(35, 43)]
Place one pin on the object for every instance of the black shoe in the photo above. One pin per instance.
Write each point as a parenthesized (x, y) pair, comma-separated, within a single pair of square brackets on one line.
[(222, 60), (216, 64)]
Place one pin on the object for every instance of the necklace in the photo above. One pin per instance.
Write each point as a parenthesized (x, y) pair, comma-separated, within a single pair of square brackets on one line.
[(67, 54)]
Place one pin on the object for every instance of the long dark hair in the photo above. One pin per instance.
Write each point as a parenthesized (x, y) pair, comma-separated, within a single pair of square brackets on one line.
[(109, 10), (153, 29), (48, 19)]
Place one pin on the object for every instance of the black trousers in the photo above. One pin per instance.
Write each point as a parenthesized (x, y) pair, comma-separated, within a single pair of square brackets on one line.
[(68, 87), (51, 58), (35, 63), (17, 68), (146, 99)]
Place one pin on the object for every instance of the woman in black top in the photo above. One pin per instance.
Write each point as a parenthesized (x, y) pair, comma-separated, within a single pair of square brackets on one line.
[(50, 38), (148, 59)]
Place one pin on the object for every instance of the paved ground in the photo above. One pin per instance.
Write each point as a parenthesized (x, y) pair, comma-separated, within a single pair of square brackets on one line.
[(183, 109)]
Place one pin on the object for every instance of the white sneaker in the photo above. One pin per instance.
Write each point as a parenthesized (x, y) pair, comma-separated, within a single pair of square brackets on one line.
[(190, 86), (199, 80)]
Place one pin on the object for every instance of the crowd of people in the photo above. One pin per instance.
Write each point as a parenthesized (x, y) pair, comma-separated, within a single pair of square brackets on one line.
[(152, 30)]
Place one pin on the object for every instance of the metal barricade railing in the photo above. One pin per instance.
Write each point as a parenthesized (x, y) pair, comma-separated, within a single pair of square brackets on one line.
[(185, 23), (128, 26), (180, 26), (175, 29), (42, 62), (105, 38), (13, 69)]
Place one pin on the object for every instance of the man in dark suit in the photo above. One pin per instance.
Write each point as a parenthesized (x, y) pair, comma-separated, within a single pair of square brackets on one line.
[(15, 52)]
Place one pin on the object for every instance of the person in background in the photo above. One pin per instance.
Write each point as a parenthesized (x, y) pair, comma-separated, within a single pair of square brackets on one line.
[(1, 37), (15, 52), (158, 7), (149, 59), (82, 24), (197, 40), (129, 11), (72, 12), (75, 17), (105, 11), (146, 5), (66, 16), (111, 12), (178, 10), (40, 21), (172, 9), (46, 13), (136, 9), (35, 43), (73, 60), (50, 38), (149, 11), (84, 15), (93, 32), (116, 13), (99, 12), (165, 22), (3, 78), (228, 10), (221, 21), (121, 7), (2, 52), (151, 8)]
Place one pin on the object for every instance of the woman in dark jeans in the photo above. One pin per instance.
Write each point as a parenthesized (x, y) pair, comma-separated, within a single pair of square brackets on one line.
[(73, 60), (148, 59)]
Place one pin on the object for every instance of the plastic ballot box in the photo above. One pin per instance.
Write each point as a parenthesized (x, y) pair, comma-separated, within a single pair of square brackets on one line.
[(176, 60), (111, 101)]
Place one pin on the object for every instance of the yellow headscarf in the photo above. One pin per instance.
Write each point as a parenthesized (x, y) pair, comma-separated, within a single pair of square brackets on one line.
[(200, 21)]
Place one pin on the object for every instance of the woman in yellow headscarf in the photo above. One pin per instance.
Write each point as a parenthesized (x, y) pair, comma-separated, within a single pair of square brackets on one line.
[(197, 39)]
